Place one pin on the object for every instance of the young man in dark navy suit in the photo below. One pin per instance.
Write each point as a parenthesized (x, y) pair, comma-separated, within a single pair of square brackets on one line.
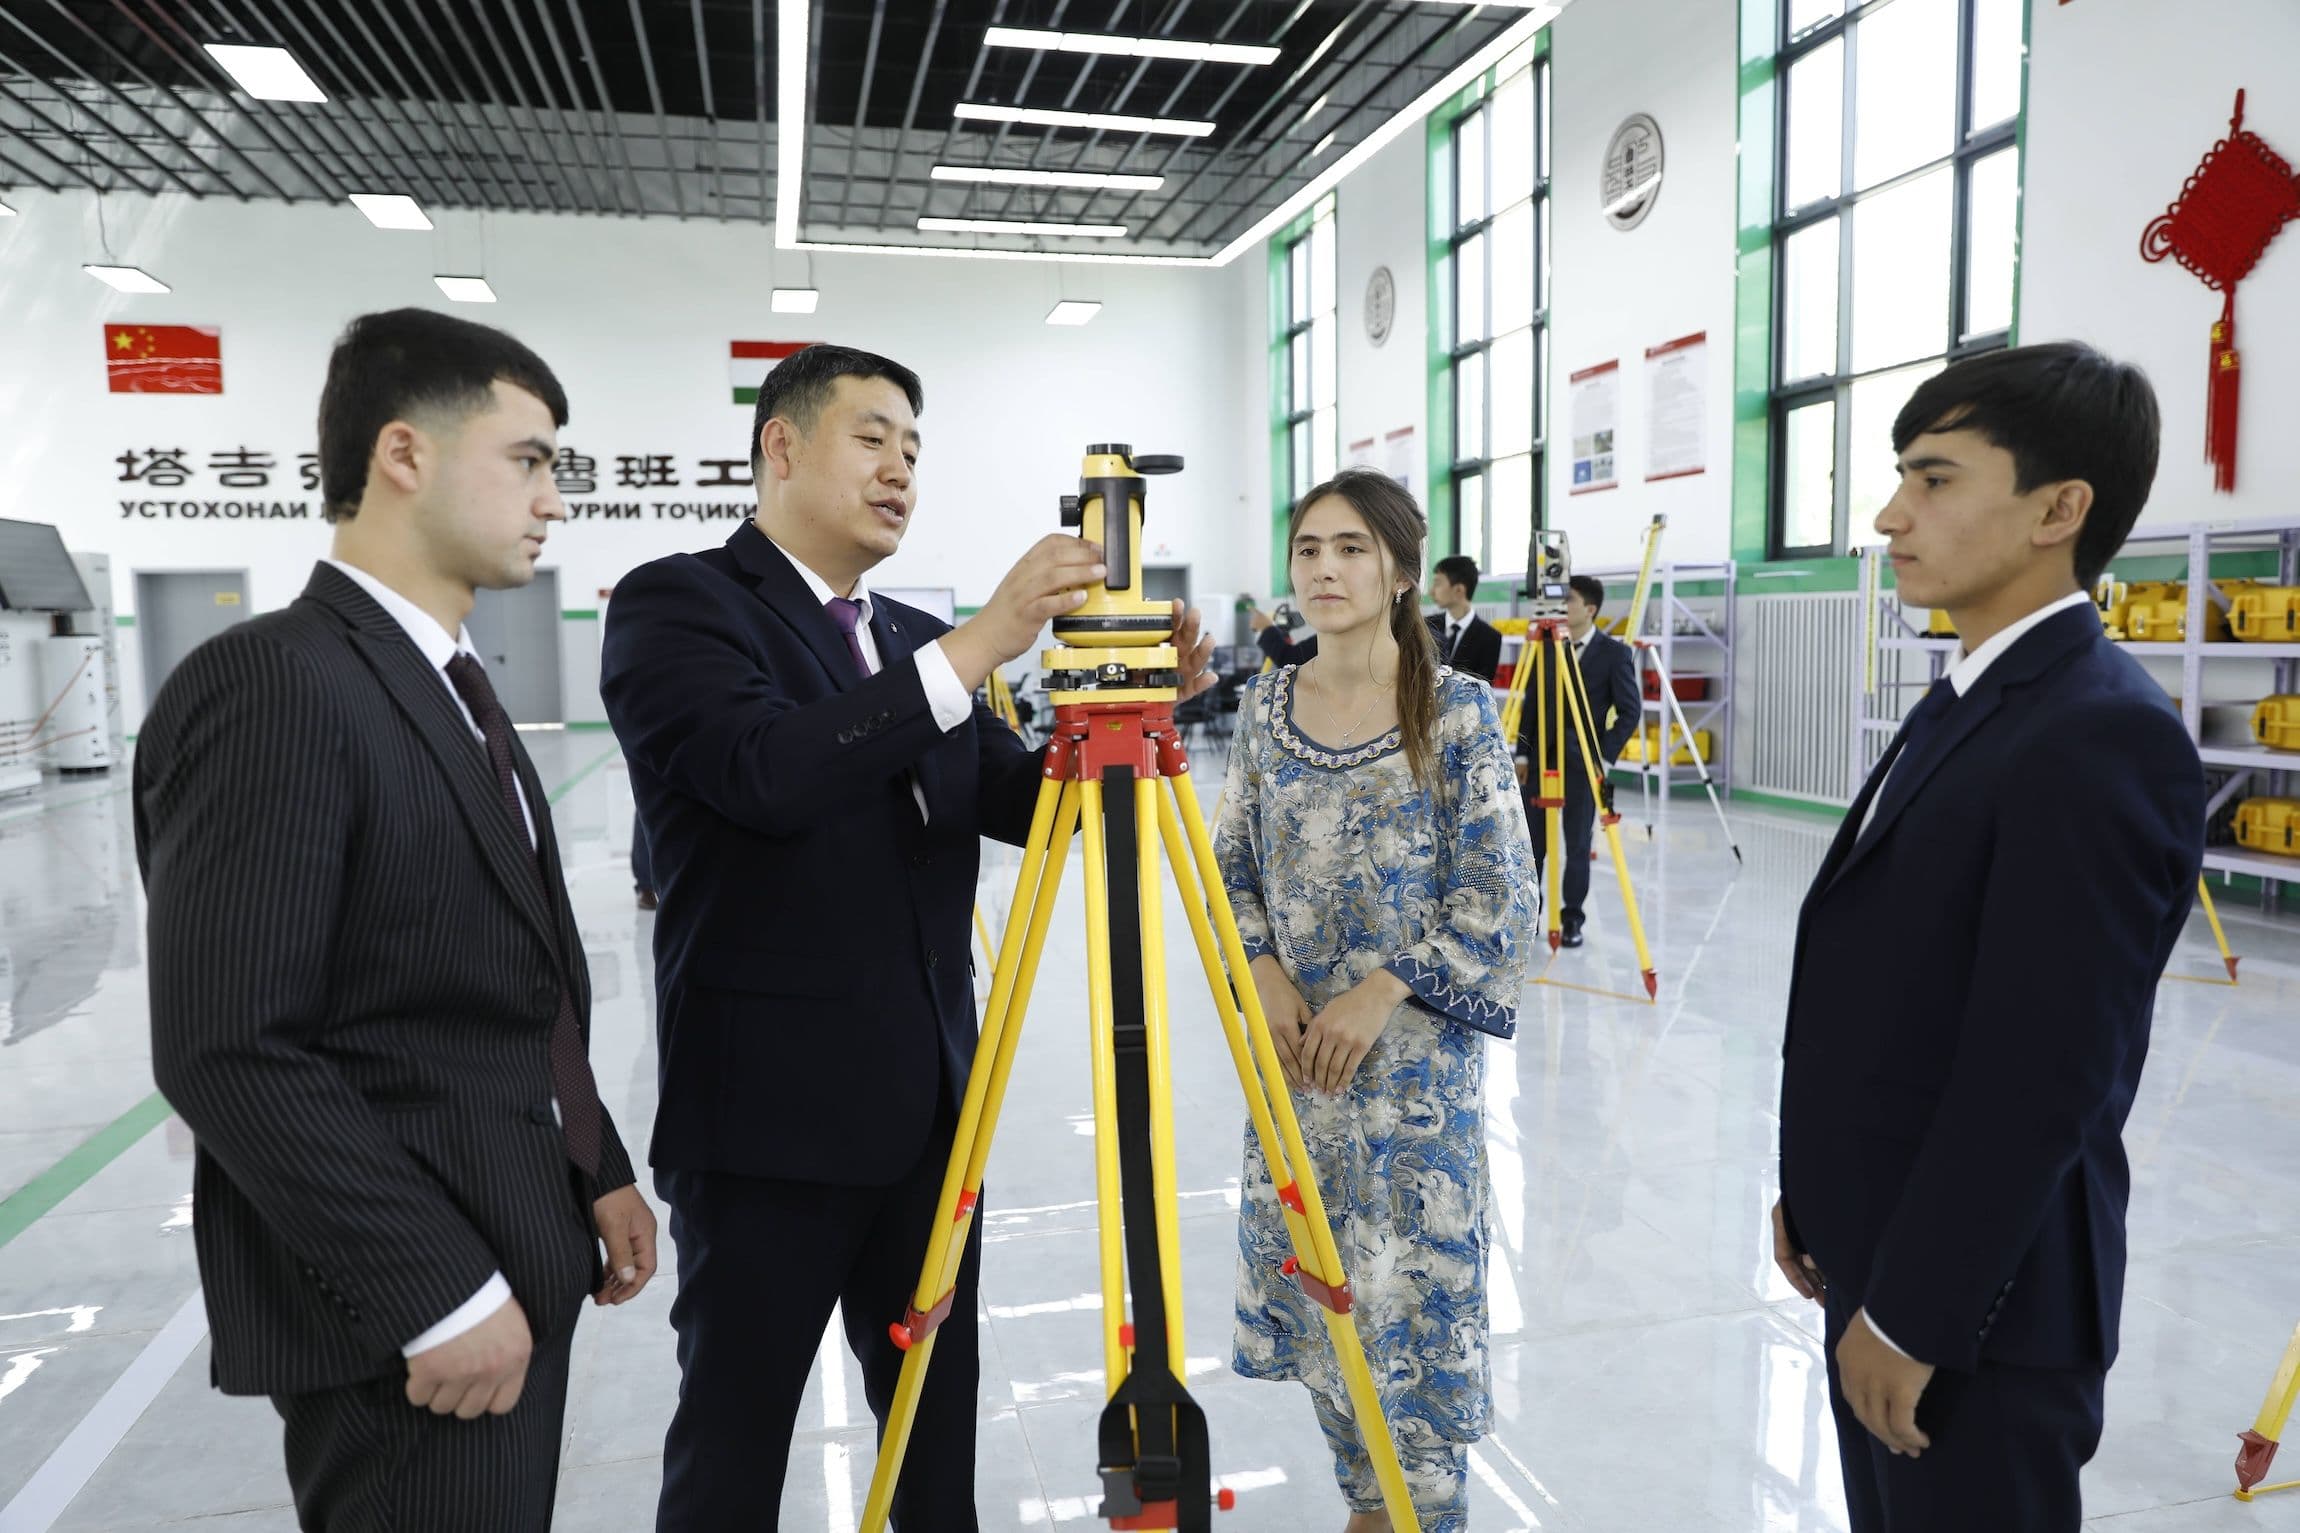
[(814, 777), (1977, 962)]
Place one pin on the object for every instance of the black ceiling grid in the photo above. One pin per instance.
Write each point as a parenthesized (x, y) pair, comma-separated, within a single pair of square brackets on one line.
[(666, 108)]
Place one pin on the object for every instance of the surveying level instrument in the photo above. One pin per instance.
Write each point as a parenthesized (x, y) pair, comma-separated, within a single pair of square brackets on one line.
[(1113, 679)]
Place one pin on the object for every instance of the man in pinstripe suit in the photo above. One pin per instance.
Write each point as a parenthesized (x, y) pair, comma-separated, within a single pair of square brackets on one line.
[(369, 999)]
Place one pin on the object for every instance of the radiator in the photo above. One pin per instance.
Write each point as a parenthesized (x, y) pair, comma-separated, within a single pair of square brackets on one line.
[(1800, 664)]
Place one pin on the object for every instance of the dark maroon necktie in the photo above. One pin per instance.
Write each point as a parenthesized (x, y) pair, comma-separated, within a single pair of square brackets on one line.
[(847, 614), (571, 1080)]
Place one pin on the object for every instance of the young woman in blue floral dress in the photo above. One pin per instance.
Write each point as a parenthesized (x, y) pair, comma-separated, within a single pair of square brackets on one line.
[(1375, 850)]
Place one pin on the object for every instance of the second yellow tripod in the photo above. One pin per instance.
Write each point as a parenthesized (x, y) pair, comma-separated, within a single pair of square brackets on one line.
[(1547, 672)]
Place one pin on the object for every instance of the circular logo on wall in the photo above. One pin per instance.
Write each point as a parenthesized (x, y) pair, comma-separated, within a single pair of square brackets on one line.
[(1381, 304), (1631, 180)]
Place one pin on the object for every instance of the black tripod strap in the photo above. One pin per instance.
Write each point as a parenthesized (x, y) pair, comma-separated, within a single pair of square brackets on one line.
[(1165, 1440)]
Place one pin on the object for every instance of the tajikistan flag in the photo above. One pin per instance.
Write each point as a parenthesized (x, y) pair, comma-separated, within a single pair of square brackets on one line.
[(749, 362)]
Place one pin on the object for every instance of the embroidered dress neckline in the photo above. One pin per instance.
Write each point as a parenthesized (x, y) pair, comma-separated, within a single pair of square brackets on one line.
[(1301, 745)]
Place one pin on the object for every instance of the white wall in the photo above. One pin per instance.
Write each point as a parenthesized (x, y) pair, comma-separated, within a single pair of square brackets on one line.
[(2099, 169), (1379, 217), (635, 318), (1615, 293)]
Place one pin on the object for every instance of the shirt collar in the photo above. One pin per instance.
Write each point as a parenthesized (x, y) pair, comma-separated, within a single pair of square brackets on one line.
[(822, 587), (419, 625), (1966, 673)]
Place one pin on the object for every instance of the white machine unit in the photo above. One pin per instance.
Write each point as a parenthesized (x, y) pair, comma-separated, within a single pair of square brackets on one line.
[(96, 574), (77, 736)]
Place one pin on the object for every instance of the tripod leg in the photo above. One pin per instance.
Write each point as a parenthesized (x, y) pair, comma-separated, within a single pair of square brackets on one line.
[(2220, 936), (1168, 1208), (1549, 762), (1053, 824), (1105, 1072), (1700, 762), (1584, 725), (1317, 1262)]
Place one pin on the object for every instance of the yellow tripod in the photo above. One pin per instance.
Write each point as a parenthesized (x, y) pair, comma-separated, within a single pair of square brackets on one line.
[(1546, 669), (1116, 774), (2259, 1444)]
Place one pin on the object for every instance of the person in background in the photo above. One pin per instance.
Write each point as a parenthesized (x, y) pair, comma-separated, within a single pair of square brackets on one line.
[(1465, 641)]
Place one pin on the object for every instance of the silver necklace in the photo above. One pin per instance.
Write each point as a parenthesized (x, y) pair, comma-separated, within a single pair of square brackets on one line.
[(1328, 702)]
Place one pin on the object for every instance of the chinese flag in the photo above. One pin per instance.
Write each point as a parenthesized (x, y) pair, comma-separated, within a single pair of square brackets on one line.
[(164, 359)]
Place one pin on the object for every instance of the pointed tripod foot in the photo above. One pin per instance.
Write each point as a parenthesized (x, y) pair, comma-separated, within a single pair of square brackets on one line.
[(1556, 941), (2232, 961), (1737, 855), (2253, 1459), (1652, 985)]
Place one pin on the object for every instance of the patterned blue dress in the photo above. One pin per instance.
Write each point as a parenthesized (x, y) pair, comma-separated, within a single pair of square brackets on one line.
[(1340, 864)]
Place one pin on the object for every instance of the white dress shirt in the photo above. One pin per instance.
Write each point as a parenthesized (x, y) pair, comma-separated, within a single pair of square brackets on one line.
[(946, 696), (424, 631), (1964, 676)]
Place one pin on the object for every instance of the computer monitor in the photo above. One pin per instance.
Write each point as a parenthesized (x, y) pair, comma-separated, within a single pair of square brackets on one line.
[(36, 574)]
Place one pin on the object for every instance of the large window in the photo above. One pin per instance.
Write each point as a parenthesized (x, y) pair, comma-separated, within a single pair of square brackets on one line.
[(1898, 197), (1498, 270), (1306, 344)]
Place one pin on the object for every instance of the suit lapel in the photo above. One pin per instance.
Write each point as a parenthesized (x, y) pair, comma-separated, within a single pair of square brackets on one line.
[(786, 594), (897, 642), (2034, 653), (422, 697)]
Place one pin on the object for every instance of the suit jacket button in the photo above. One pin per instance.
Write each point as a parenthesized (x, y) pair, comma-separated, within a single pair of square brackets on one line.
[(541, 1115), (932, 958), (846, 737)]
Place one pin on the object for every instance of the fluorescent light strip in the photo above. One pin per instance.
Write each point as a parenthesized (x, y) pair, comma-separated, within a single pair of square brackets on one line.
[(791, 18), (1129, 47), (1013, 226), (1324, 144), (268, 74), (969, 111), (971, 253), (128, 279), (1526, 28), (466, 289), (388, 210), (1091, 180), (1072, 311), (794, 300)]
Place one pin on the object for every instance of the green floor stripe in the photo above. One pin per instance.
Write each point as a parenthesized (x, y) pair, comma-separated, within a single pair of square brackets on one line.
[(52, 1186), (23, 1207)]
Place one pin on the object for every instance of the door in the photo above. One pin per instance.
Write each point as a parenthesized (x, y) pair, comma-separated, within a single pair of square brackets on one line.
[(179, 610), (517, 635)]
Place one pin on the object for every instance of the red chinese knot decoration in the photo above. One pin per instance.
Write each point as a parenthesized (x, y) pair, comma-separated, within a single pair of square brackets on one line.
[(2242, 193)]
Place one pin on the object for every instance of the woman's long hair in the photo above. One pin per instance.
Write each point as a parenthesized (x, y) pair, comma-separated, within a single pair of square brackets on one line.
[(1392, 516)]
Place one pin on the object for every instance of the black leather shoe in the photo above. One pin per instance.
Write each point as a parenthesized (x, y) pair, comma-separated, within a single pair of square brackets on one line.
[(646, 899), (1571, 939)]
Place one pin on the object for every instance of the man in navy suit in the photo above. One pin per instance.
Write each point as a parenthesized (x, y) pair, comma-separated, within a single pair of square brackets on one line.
[(814, 777), (1977, 962)]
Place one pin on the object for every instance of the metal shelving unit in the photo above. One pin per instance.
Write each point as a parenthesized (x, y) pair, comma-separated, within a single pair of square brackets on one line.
[(1902, 658)]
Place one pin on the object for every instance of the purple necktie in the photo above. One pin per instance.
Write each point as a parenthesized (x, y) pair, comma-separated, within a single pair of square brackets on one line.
[(847, 614)]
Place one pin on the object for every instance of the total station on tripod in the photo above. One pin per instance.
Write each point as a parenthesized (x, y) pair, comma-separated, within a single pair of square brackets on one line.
[(1119, 643), (1549, 563)]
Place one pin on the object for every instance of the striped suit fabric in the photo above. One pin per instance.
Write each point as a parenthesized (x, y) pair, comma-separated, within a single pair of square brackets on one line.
[(354, 972)]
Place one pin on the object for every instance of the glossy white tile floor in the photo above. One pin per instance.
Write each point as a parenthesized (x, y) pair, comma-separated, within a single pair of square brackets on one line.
[(1652, 1373)]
